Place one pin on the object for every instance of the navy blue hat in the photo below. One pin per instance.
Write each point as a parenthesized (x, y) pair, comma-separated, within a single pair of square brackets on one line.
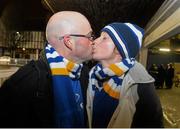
[(127, 37)]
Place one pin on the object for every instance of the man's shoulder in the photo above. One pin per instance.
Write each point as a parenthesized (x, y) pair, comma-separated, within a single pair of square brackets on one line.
[(33, 67), (28, 75), (23, 72)]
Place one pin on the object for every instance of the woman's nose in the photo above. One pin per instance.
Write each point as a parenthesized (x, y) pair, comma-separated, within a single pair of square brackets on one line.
[(94, 42), (93, 45)]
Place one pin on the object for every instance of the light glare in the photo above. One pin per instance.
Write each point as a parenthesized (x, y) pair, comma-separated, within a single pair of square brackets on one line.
[(164, 49)]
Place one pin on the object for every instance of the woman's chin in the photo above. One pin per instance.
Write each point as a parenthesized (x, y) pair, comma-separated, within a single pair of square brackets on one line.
[(96, 58)]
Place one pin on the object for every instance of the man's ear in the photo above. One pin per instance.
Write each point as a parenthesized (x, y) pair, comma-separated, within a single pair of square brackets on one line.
[(67, 42)]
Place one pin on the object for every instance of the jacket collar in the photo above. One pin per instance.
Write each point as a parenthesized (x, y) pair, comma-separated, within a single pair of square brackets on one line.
[(139, 74), (42, 57)]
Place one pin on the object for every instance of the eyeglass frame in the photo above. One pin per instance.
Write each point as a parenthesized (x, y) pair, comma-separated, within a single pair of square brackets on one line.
[(89, 36)]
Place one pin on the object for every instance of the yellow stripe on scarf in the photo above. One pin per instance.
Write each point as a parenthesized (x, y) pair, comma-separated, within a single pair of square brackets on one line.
[(70, 66), (116, 70), (110, 91), (59, 71)]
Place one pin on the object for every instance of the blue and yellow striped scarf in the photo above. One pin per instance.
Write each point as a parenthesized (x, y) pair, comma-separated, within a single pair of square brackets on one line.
[(68, 102), (113, 75), (106, 84)]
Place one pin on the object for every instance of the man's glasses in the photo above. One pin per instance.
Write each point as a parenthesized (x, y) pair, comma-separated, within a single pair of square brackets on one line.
[(90, 36)]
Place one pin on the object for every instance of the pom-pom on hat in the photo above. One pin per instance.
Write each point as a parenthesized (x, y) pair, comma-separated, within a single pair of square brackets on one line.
[(127, 37)]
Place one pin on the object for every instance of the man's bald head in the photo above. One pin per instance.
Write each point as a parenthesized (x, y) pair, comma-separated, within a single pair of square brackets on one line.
[(65, 22), (73, 48)]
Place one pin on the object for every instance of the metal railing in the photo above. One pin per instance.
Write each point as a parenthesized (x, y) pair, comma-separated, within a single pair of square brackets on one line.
[(15, 62)]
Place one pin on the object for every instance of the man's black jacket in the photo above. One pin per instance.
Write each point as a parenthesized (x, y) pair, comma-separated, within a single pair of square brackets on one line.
[(26, 98)]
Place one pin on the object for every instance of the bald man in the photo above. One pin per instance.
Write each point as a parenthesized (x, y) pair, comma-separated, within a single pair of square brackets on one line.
[(49, 92)]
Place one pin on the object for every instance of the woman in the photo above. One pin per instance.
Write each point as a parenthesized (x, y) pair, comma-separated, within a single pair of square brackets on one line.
[(121, 93)]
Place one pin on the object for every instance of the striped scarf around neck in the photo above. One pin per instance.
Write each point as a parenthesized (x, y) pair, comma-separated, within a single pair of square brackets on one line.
[(105, 85), (68, 101), (112, 75)]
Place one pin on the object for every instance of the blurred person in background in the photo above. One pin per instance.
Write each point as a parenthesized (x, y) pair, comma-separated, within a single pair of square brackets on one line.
[(169, 76), (153, 71), (161, 76)]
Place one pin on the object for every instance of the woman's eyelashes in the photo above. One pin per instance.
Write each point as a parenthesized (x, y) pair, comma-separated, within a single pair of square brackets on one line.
[(104, 38)]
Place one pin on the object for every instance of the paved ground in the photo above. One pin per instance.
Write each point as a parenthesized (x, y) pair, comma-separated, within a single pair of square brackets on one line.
[(170, 100)]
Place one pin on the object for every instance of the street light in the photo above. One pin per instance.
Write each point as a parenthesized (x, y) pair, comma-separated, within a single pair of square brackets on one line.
[(164, 49)]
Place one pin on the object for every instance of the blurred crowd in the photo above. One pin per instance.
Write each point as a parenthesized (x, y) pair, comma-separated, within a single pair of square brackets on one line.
[(163, 75)]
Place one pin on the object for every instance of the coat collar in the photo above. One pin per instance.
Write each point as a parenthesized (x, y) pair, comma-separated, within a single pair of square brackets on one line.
[(139, 74)]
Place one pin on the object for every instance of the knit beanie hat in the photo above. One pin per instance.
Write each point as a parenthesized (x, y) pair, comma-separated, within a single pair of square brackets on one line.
[(127, 37)]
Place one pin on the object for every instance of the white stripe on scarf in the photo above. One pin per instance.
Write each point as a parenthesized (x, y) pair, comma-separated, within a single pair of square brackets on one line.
[(73, 73), (96, 71)]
